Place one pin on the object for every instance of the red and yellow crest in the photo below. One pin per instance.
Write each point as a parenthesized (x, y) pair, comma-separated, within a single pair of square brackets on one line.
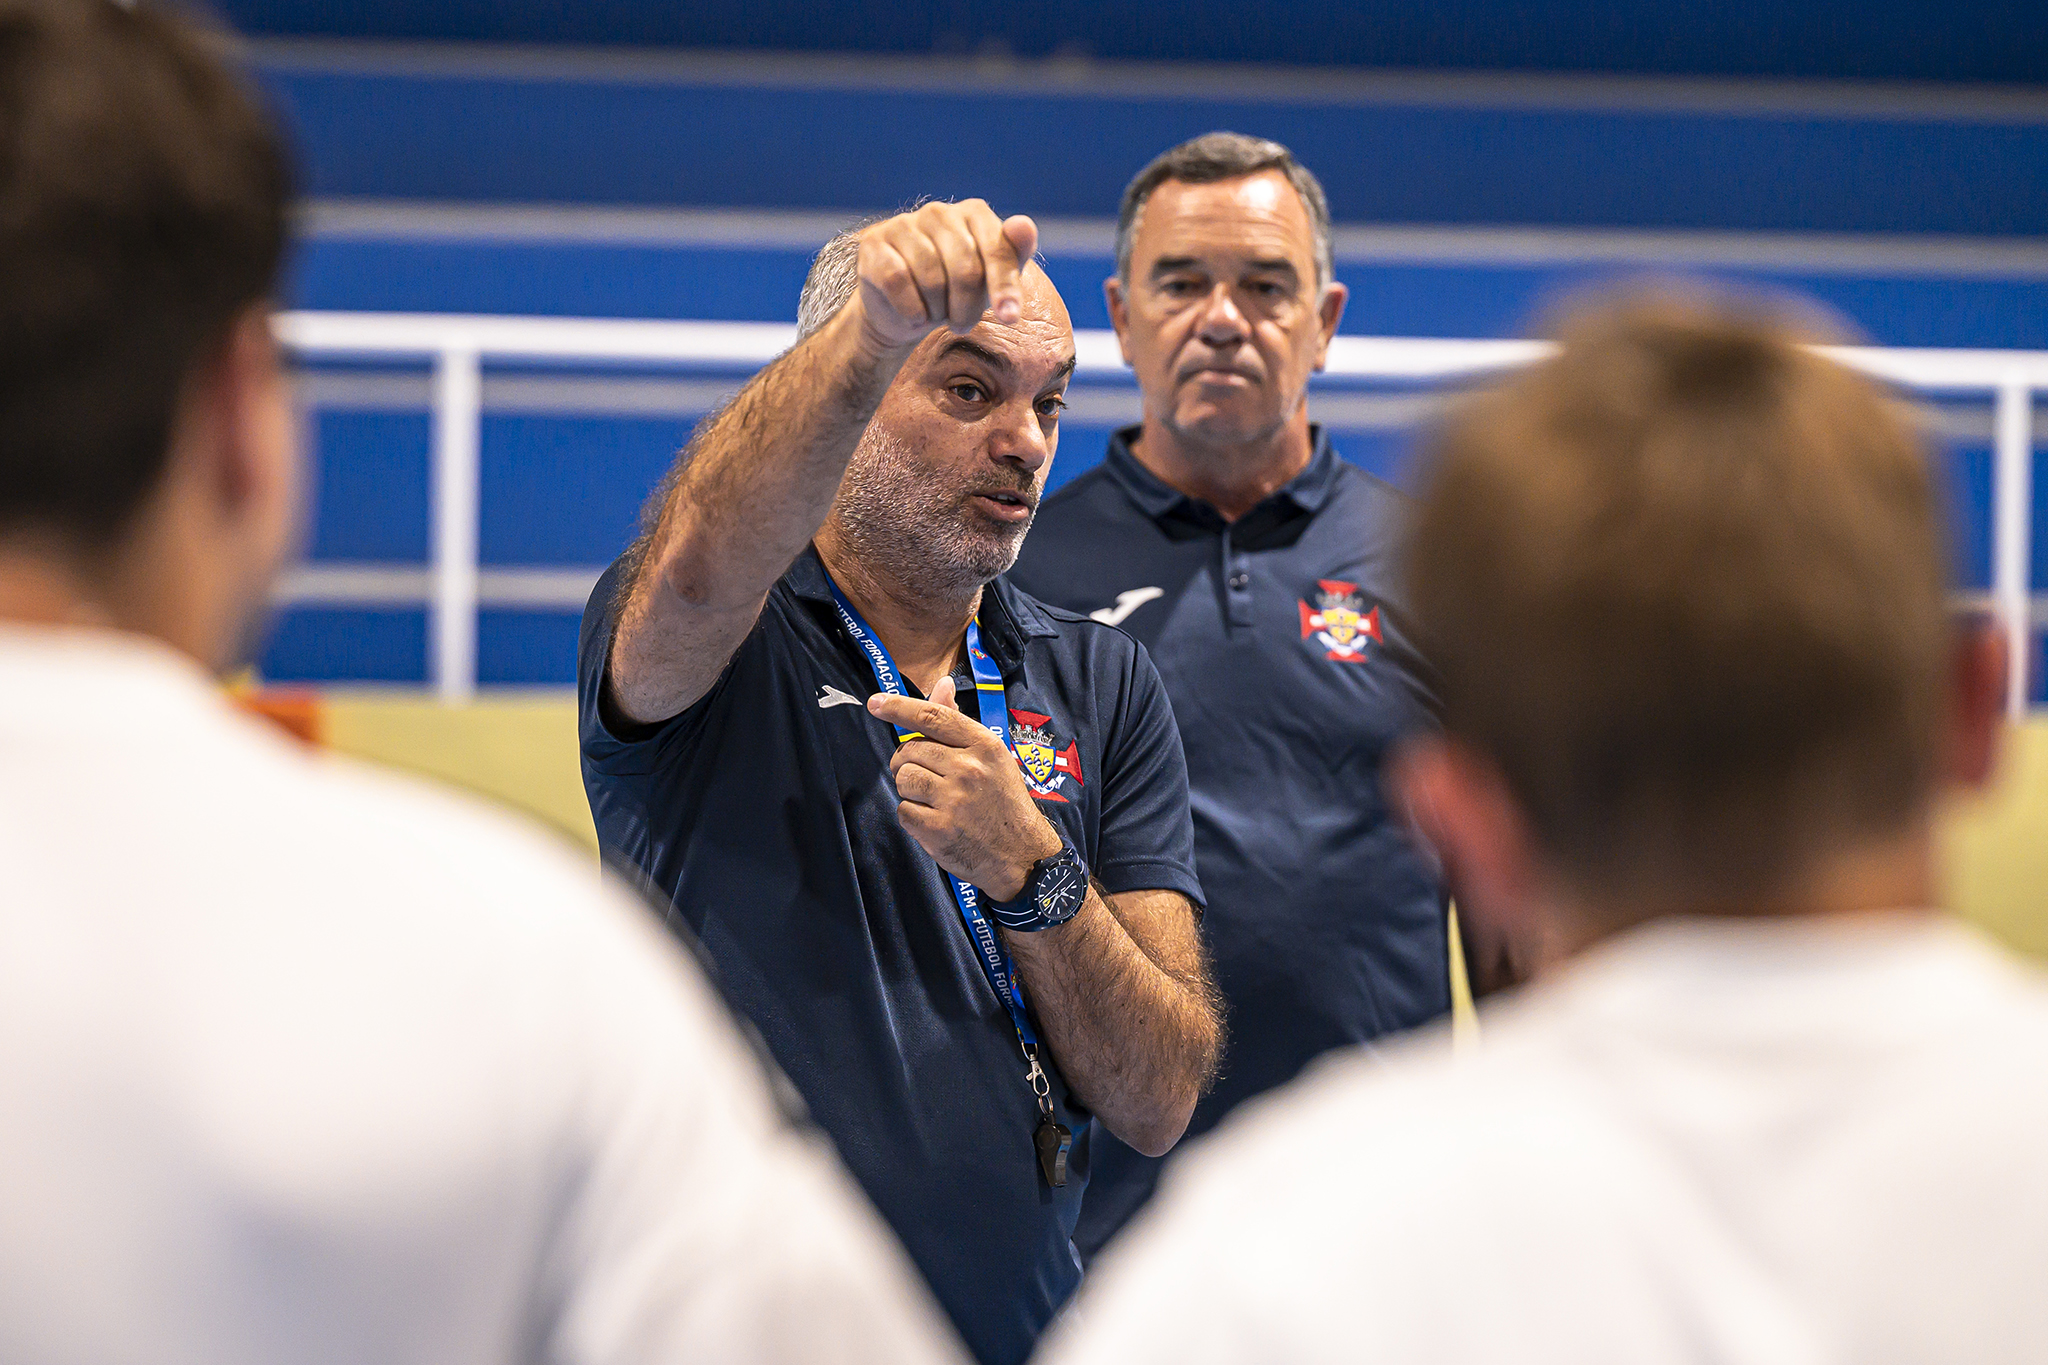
[(1048, 768), (1339, 621)]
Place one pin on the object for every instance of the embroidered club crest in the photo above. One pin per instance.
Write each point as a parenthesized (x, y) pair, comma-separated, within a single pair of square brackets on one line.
[(1047, 767), (1339, 621)]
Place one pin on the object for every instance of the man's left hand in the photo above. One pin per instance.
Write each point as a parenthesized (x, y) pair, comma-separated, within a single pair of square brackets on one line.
[(963, 796)]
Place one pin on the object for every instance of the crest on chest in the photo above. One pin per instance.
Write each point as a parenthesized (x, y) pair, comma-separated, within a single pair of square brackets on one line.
[(1051, 769), (1336, 618)]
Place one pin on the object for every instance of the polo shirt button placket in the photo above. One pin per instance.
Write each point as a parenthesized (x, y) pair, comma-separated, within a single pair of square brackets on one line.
[(1237, 585)]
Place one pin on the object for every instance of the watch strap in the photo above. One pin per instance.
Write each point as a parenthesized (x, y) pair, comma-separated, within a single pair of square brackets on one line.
[(1053, 893)]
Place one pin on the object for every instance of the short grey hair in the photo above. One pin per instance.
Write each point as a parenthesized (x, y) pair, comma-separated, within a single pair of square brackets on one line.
[(1224, 156), (835, 274)]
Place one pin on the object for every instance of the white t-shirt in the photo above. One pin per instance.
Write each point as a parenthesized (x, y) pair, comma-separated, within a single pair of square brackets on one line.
[(1772, 1143), (303, 1063)]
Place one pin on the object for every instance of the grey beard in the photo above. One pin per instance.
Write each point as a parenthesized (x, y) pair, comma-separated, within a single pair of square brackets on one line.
[(897, 519)]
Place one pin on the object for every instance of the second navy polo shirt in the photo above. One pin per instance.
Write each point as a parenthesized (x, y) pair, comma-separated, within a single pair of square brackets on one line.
[(767, 815), (1282, 644)]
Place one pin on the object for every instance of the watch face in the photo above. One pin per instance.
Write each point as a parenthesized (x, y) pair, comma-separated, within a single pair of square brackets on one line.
[(1062, 887)]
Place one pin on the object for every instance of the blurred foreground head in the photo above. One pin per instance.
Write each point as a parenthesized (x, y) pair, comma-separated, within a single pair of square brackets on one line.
[(146, 461), (1686, 585)]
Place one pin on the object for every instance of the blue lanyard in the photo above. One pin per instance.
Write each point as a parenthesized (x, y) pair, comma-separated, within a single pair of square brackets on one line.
[(988, 695)]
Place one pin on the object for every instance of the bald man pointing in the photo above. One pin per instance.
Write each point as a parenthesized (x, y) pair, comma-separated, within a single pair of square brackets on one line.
[(934, 833)]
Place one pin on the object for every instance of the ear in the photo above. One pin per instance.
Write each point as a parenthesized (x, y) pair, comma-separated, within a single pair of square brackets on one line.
[(1330, 309), (1459, 804), (1119, 313), (247, 406), (257, 488), (1979, 660)]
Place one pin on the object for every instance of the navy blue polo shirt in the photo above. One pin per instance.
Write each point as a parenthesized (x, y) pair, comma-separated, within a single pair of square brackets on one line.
[(1282, 643), (767, 815)]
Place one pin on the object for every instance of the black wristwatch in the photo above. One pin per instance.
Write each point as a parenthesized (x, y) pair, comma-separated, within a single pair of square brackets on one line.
[(1052, 894)]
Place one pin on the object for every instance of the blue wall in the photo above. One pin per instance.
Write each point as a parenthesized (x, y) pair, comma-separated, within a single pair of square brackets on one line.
[(1974, 40), (447, 130), (1388, 298)]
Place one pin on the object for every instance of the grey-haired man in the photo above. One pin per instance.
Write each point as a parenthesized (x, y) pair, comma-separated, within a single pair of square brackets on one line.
[(1226, 535)]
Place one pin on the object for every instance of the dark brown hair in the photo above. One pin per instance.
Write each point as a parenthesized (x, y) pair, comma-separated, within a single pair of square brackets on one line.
[(1685, 583), (1224, 156), (143, 200)]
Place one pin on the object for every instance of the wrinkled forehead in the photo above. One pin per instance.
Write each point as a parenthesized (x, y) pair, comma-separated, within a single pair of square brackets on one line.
[(1257, 216), (1036, 349)]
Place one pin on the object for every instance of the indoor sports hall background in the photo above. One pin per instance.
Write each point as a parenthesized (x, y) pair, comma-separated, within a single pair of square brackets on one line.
[(679, 164)]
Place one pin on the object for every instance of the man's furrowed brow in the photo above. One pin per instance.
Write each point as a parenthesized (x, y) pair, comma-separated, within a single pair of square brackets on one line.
[(1171, 265), (1273, 265), (995, 360), (1063, 373)]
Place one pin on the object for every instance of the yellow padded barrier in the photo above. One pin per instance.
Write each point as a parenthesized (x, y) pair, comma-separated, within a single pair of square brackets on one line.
[(1997, 846), (520, 748)]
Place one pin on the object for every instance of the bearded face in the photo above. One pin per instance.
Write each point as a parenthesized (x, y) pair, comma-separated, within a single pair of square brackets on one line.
[(947, 475), (925, 515)]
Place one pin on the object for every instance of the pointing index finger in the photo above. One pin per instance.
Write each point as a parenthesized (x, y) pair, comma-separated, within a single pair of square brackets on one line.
[(1006, 248), (940, 724), (1022, 232)]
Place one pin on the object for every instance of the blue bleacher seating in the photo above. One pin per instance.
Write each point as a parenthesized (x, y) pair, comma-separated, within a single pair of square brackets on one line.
[(561, 488)]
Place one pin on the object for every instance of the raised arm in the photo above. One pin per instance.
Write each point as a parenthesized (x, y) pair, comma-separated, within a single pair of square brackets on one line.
[(757, 482)]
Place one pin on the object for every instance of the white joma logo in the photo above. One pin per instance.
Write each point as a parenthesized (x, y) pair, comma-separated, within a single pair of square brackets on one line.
[(832, 696), (1126, 603)]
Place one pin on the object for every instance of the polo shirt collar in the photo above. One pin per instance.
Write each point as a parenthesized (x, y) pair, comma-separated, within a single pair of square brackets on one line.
[(1008, 616), (807, 577), (1157, 499)]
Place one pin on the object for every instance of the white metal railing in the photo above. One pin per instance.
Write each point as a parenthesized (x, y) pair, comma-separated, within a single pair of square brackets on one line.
[(457, 347)]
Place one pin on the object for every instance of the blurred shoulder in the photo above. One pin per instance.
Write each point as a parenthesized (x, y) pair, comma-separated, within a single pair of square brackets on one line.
[(1337, 1204), (401, 855), (1408, 1134)]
